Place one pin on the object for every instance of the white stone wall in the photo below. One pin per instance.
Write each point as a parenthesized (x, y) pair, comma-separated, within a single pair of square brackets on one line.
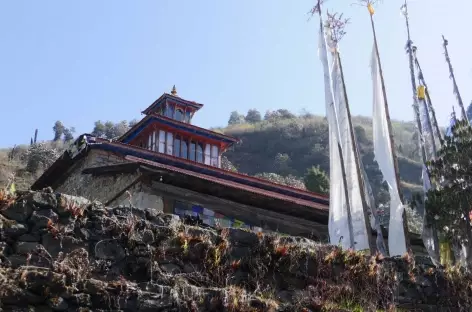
[(141, 197), (101, 188)]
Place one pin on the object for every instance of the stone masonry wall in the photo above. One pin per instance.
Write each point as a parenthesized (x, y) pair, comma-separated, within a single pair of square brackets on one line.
[(101, 188), (141, 197), (63, 253)]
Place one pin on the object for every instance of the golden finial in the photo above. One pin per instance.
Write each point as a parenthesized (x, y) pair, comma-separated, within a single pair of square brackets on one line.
[(174, 91)]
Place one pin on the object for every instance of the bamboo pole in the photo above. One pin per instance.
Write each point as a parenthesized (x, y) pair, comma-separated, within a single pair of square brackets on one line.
[(428, 99), (411, 58), (415, 104), (454, 83), (389, 123), (372, 244), (343, 169)]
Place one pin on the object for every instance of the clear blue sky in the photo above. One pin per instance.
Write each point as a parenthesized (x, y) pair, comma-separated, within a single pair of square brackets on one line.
[(80, 61)]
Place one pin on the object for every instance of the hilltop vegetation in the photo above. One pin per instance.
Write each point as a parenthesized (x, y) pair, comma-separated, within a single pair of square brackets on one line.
[(288, 145), (280, 147)]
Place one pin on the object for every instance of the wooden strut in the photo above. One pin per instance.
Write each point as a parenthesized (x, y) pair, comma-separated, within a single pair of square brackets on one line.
[(392, 146)]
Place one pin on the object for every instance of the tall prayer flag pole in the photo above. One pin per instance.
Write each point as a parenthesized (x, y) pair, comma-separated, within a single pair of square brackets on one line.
[(416, 107), (387, 115), (336, 24), (332, 120), (430, 237), (454, 83), (428, 98)]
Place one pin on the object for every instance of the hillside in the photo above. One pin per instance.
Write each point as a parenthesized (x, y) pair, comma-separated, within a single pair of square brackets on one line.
[(64, 253), (290, 146), (283, 146)]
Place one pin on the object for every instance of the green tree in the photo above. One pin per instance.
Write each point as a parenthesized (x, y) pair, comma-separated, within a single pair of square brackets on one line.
[(132, 123), (98, 129), (69, 134), (40, 156), (289, 180), (236, 118), (58, 130), (227, 165), (469, 112), (361, 135), (316, 180), (448, 205), (119, 129), (253, 116), (285, 114)]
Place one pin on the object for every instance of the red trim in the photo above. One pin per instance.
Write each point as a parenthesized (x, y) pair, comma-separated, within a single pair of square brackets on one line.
[(189, 126), (228, 183), (187, 135), (229, 173), (194, 127)]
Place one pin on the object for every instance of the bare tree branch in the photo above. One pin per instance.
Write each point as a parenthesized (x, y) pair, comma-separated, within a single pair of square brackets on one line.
[(366, 3), (317, 8), (337, 23)]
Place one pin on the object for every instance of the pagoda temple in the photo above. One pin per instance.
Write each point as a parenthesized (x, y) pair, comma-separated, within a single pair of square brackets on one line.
[(166, 163), (167, 129)]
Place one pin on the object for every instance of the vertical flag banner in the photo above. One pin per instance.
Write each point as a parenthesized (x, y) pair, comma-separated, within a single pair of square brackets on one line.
[(338, 225), (384, 157), (361, 236)]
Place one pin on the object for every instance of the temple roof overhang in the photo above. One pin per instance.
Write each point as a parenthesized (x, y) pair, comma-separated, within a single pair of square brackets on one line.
[(224, 189), (57, 171), (178, 126)]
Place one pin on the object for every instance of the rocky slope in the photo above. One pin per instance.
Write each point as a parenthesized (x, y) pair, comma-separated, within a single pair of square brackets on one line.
[(63, 253)]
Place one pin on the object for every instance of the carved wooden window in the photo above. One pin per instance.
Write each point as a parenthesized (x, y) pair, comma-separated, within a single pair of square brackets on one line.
[(214, 155), (184, 150), (179, 115), (162, 141), (207, 154), (177, 146), (169, 143), (192, 151), (200, 152)]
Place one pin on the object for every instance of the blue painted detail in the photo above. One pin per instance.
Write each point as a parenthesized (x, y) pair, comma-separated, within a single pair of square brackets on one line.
[(133, 134), (174, 162)]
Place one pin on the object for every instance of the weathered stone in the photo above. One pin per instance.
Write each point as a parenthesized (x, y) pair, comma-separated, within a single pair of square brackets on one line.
[(170, 268), (65, 244), (32, 238), (242, 237), (58, 304), (150, 302), (41, 200), (237, 252), (40, 219), (66, 202), (109, 249), (25, 248), (148, 237), (194, 268), (20, 211), (81, 300), (14, 230)]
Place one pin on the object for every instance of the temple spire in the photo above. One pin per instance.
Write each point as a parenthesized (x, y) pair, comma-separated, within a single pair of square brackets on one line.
[(174, 91)]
